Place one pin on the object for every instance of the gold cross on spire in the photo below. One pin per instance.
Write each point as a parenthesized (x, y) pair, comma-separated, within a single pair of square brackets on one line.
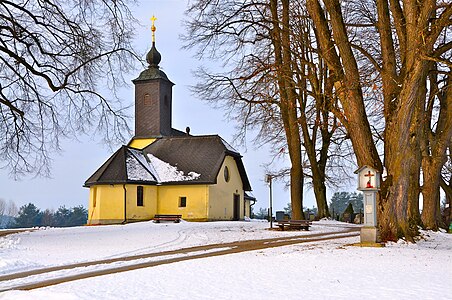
[(153, 19)]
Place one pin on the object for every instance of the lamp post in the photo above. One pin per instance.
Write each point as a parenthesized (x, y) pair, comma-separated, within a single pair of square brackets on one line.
[(268, 179)]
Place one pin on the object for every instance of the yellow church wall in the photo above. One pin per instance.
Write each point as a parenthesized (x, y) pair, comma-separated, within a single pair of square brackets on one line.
[(221, 203), (93, 210), (106, 205), (196, 201), (203, 202), (247, 208), (140, 143), (149, 208)]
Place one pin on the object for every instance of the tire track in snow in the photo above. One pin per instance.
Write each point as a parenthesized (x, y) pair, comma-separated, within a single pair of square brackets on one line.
[(222, 249), (181, 237)]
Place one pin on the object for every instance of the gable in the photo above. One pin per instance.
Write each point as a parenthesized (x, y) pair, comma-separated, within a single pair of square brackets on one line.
[(170, 160), (203, 155), (112, 171), (127, 165), (130, 165)]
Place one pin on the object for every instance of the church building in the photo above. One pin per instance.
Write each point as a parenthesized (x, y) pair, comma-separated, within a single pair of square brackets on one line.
[(166, 171)]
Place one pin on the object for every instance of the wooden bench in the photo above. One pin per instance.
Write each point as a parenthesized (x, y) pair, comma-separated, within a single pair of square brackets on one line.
[(173, 218), (294, 224)]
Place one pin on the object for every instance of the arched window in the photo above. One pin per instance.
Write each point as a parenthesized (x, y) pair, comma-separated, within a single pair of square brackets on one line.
[(165, 101), (147, 100)]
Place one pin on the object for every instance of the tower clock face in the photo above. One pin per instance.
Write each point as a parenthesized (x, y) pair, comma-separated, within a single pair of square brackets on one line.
[(226, 174)]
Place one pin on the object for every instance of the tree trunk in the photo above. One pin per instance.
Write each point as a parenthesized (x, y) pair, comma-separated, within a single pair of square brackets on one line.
[(317, 167), (345, 75), (431, 213), (288, 101), (435, 156), (395, 209), (312, 72), (399, 216), (447, 188), (320, 197)]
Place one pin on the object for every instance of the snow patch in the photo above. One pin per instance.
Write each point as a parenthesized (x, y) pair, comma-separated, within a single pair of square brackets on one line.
[(9, 242), (168, 173), (136, 170), (24, 295), (400, 270), (154, 169)]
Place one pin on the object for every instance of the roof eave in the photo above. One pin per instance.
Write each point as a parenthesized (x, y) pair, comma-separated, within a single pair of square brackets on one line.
[(142, 182)]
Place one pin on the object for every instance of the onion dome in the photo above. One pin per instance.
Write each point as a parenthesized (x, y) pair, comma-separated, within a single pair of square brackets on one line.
[(153, 57)]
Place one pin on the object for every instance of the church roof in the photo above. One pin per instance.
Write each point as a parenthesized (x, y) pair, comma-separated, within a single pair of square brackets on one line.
[(151, 73), (170, 160), (202, 154), (127, 165)]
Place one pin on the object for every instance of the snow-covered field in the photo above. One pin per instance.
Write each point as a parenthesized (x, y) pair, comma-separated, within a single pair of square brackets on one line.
[(317, 270)]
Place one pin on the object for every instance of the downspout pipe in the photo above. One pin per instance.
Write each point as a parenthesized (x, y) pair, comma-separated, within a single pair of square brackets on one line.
[(251, 206), (125, 204)]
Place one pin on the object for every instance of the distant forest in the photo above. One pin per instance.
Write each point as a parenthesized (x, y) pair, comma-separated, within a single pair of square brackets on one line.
[(30, 216)]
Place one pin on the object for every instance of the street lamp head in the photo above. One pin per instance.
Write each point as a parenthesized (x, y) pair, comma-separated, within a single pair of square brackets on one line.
[(268, 178)]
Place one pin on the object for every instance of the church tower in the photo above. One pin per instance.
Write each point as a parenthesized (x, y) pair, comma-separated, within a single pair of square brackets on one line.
[(153, 97)]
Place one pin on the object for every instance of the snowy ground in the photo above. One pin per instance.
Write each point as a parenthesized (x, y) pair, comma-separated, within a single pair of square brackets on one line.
[(319, 270)]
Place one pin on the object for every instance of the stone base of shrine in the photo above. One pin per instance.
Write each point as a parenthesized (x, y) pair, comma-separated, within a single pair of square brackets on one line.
[(369, 235)]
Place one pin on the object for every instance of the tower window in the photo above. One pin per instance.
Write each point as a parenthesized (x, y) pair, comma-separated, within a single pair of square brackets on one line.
[(165, 101), (139, 196), (182, 201), (147, 100)]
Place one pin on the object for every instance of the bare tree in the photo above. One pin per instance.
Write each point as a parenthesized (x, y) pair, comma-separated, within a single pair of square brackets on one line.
[(437, 128), (55, 59), (253, 39), (283, 59), (12, 209), (446, 185), (406, 39), (2, 207), (318, 125), (273, 81), (8, 210)]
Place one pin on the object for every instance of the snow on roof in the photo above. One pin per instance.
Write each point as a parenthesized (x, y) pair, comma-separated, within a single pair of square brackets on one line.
[(153, 169), (168, 173), (138, 167)]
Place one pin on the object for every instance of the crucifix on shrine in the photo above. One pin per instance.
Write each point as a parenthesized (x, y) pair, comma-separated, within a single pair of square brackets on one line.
[(369, 184)]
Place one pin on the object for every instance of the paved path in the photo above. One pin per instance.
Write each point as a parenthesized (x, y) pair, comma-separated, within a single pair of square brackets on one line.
[(185, 254), (12, 231)]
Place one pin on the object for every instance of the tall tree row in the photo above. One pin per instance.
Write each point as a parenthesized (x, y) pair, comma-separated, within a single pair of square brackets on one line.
[(270, 81), (411, 58), (283, 62), (381, 69)]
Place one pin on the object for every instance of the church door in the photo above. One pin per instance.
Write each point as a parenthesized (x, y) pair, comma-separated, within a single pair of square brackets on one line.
[(236, 209)]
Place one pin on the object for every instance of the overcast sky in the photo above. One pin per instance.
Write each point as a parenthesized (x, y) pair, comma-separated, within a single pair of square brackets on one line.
[(79, 159)]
